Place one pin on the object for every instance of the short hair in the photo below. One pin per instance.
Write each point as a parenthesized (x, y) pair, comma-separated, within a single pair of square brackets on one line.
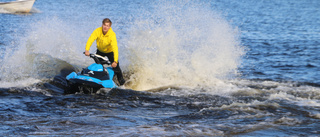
[(107, 20)]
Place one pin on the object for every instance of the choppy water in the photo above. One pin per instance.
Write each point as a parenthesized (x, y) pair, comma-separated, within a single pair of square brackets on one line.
[(205, 68)]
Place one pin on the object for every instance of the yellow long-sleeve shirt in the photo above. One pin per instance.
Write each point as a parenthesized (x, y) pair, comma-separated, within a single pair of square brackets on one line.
[(105, 43)]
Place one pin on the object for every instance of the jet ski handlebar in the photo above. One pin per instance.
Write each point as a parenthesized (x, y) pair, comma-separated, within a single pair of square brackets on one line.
[(100, 59)]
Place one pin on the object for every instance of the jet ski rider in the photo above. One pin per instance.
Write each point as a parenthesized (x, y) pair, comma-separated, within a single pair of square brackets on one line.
[(106, 46)]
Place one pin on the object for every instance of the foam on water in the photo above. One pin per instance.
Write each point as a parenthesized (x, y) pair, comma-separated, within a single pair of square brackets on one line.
[(19, 84), (300, 101), (182, 43)]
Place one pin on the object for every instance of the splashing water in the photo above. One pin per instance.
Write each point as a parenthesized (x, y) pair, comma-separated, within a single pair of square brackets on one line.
[(178, 43), (182, 44), (47, 48)]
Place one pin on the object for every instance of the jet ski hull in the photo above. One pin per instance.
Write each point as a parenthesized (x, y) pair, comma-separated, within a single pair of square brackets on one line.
[(89, 81)]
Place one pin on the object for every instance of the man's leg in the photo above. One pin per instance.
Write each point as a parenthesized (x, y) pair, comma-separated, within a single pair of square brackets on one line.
[(117, 70)]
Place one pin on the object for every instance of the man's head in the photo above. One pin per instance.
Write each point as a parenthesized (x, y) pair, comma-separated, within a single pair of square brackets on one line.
[(106, 25)]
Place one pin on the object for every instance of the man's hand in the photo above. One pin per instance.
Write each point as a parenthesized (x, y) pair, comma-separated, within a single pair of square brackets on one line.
[(114, 64), (87, 53)]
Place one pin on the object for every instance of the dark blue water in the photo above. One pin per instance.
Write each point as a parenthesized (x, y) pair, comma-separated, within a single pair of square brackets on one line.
[(283, 38), (204, 68)]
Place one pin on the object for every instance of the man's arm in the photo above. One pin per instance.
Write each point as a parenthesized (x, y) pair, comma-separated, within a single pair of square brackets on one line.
[(91, 39), (114, 46)]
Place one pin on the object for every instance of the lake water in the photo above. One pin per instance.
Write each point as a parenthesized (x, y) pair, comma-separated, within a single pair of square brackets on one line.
[(193, 68)]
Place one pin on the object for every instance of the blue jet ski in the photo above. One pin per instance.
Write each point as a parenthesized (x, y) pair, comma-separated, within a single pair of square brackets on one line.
[(92, 78)]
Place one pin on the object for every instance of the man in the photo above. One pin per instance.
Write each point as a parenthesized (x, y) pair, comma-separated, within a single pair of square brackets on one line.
[(106, 46)]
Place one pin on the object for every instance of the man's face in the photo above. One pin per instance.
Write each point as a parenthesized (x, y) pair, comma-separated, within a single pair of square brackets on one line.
[(106, 27)]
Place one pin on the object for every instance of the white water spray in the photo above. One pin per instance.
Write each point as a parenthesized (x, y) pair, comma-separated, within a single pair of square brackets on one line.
[(182, 44), (49, 46)]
